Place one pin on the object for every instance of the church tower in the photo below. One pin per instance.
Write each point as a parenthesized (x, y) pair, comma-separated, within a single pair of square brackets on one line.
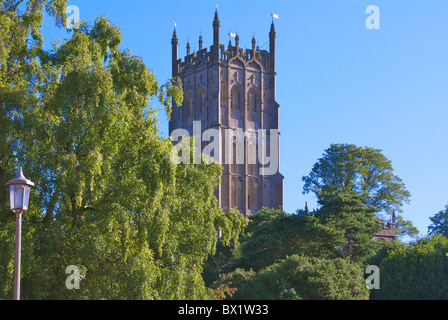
[(232, 91)]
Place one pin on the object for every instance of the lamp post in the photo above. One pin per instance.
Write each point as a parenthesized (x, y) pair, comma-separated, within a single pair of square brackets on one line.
[(19, 196)]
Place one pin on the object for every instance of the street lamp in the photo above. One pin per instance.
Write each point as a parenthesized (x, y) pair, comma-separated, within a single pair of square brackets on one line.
[(19, 196)]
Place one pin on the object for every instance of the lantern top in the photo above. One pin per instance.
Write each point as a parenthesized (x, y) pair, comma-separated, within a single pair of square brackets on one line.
[(20, 180)]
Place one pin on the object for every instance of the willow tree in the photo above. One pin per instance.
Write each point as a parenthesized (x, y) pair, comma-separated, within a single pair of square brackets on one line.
[(108, 198)]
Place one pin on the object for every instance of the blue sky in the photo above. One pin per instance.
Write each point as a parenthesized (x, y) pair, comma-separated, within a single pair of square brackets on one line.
[(338, 82)]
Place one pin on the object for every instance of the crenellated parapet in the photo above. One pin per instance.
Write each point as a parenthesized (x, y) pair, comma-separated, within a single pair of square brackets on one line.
[(234, 56)]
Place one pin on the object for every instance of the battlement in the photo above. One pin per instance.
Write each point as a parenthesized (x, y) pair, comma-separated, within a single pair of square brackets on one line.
[(245, 59), (388, 230)]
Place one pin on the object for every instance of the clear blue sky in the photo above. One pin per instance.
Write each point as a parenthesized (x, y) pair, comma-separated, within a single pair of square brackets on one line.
[(338, 82)]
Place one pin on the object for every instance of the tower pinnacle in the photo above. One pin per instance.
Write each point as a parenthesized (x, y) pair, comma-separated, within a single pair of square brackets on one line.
[(272, 26), (216, 21), (272, 37), (216, 25), (174, 52)]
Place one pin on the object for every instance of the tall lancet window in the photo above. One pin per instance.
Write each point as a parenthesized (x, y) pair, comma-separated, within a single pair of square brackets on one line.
[(188, 108), (235, 101), (251, 153), (237, 193), (202, 104), (223, 91), (210, 100), (252, 196), (252, 104)]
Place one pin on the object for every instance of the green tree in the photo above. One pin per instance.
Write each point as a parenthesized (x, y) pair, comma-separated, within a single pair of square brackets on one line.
[(353, 222), (415, 271), (20, 40), (108, 198), (366, 171), (439, 223), (346, 168)]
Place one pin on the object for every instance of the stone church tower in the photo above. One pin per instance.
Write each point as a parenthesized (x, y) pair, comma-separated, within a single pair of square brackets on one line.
[(230, 89)]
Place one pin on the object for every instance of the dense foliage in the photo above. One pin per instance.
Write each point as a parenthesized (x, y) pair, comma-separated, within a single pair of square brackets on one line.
[(416, 271), (353, 186), (299, 278), (307, 255)]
